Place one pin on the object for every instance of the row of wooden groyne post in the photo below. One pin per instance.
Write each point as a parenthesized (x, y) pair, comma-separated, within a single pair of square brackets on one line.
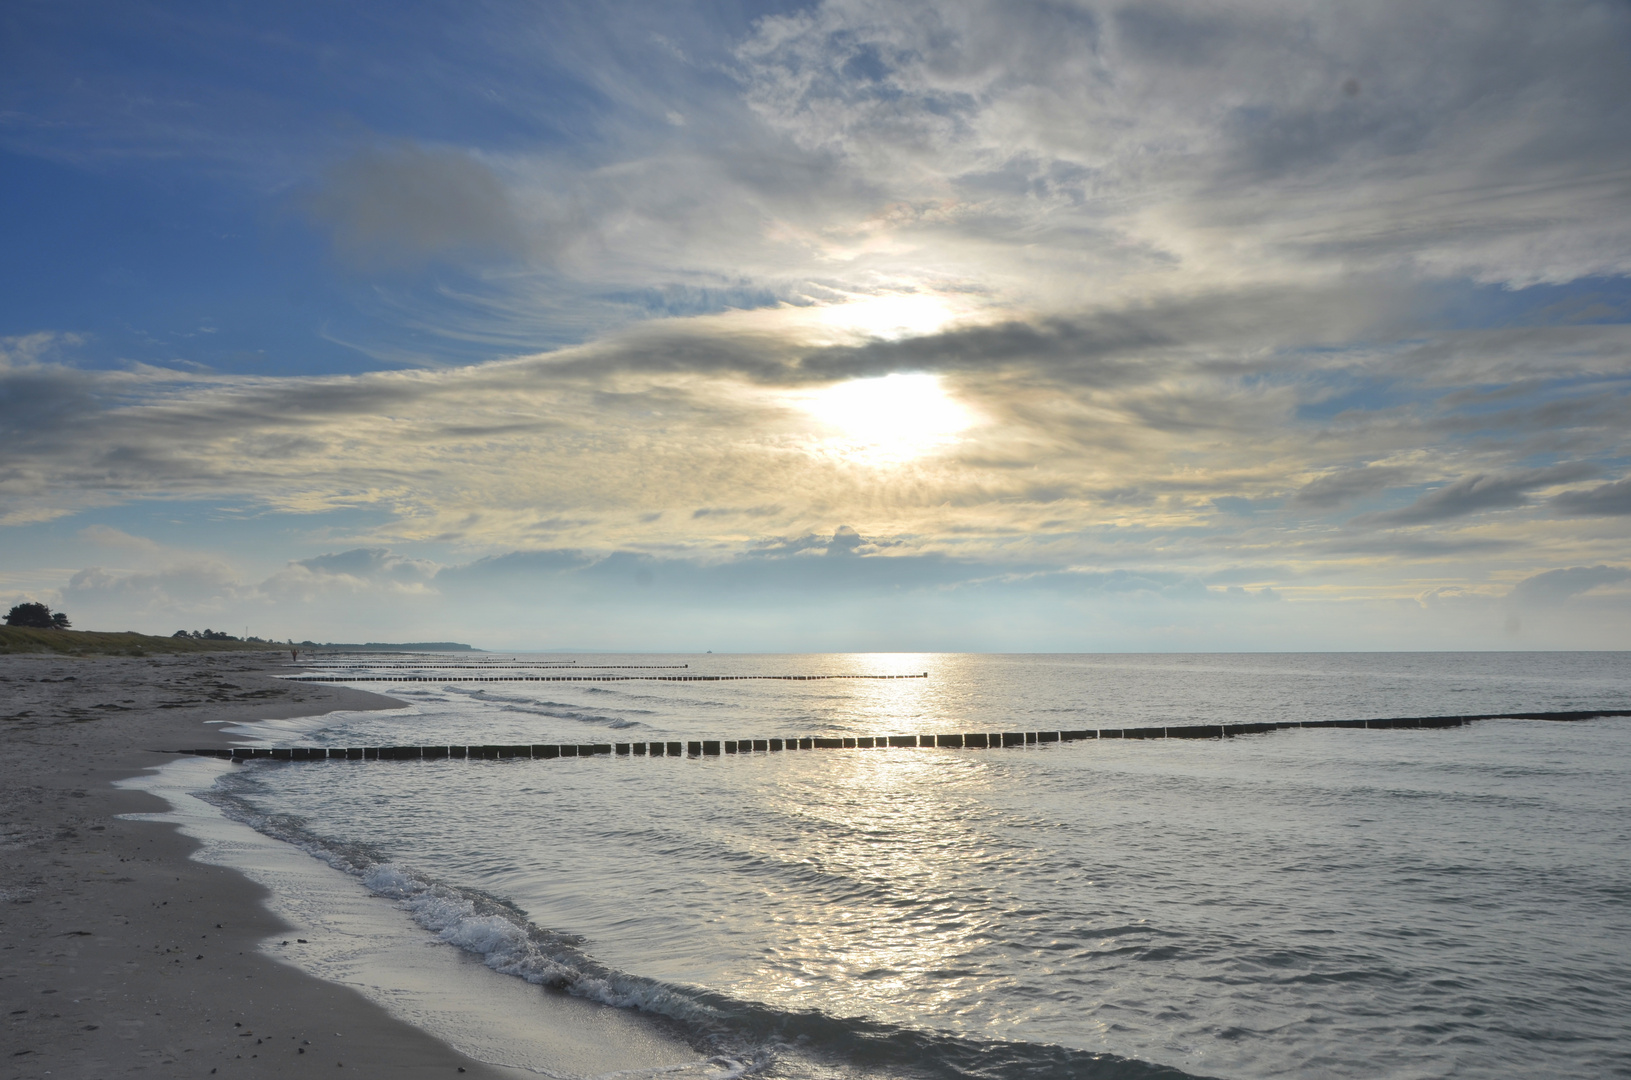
[(588, 678), (967, 741)]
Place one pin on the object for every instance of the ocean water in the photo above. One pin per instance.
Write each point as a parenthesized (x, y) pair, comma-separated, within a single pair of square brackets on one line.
[(1330, 902)]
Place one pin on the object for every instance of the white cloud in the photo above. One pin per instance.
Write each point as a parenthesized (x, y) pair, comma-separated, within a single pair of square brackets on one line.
[(1262, 139), (357, 571), (203, 586)]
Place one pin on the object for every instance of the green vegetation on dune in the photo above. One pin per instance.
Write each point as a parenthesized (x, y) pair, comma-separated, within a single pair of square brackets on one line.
[(15, 639)]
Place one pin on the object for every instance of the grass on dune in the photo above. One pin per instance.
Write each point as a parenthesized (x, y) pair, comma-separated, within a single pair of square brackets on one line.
[(16, 639)]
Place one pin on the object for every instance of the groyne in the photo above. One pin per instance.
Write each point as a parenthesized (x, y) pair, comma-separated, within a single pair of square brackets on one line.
[(586, 678), (982, 740)]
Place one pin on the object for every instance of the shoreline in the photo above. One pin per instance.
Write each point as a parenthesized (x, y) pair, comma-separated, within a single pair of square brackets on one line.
[(120, 952)]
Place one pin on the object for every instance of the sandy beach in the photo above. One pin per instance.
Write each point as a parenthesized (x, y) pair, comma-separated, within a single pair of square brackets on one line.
[(119, 954)]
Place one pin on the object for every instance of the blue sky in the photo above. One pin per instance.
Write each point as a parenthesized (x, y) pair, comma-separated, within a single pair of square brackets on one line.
[(841, 325)]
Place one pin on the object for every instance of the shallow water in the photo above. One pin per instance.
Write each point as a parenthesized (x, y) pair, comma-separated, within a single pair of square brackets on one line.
[(1330, 902), (337, 931)]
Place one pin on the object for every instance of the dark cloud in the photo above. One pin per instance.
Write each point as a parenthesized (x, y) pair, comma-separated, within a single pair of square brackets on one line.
[(400, 206), (735, 511), (1334, 489), (845, 541), (375, 562), (1297, 140), (1608, 500), (1475, 494), (1106, 348), (44, 399), (1232, 331), (1236, 506), (1416, 545), (1094, 351), (1556, 586), (1167, 33)]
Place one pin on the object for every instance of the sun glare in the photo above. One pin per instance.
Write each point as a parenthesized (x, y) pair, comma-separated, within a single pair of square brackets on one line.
[(890, 419), (890, 317)]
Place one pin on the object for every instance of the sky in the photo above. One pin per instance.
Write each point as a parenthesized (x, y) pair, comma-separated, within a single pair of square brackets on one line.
[(850, 326)]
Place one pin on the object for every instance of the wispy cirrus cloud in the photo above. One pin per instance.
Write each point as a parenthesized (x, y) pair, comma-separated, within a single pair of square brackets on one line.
[(1474, 494)]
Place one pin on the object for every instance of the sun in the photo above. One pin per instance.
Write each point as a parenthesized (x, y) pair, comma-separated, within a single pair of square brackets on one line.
[(888, 420)]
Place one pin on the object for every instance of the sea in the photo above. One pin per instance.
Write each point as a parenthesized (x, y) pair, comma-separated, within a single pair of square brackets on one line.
[(1306, 902)]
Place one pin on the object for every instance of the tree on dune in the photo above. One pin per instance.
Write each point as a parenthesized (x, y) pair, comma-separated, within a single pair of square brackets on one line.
[(36, 617)]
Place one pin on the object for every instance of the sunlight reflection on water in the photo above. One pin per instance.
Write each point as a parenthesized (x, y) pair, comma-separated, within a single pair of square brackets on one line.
[(1352, 903)]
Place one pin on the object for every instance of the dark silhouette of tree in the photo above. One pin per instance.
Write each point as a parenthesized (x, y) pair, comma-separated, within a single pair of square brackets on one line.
[(36, 617)]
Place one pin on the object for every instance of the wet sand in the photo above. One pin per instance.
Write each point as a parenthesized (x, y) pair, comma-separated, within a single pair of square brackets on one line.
[(121, 954)]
